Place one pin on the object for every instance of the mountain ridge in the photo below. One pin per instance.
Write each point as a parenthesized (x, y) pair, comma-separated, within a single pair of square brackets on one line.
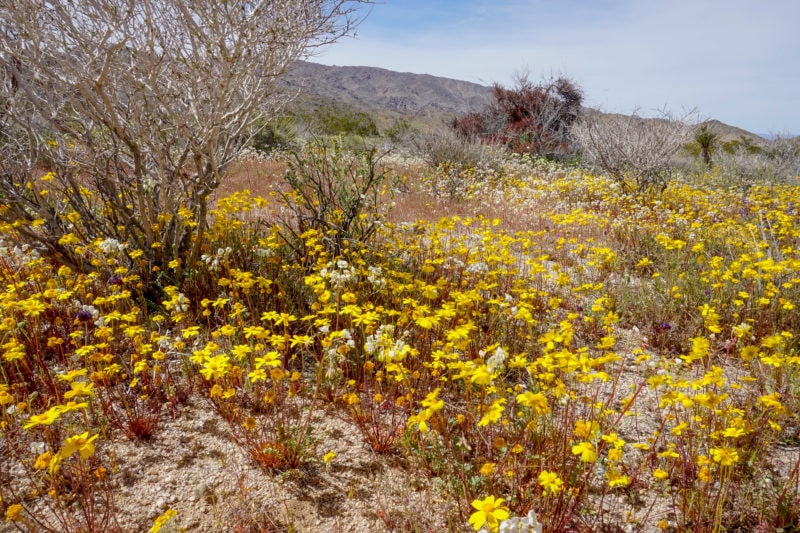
[(424, 98)]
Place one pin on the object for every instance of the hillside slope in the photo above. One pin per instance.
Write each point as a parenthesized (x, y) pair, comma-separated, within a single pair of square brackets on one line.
[(420, 98), (388, 93)]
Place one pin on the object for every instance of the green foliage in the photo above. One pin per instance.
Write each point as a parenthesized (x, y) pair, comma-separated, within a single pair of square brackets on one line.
[(335, 192), (277, 134), (707, 140), (340, 120), (743, 143), (399, 131)]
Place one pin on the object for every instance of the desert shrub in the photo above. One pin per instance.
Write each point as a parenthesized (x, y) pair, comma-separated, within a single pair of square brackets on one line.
[(277, 134), (744, 165), (742, 142), (400, 133), (528, 117), (784, 154), (457, 163), (341, 120), (335, 192), (136, 112), (444, 147), (636, 152)]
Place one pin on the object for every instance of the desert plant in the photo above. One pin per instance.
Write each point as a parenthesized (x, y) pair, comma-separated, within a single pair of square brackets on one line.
[(457, 163), (742, 142), (444, 147), (527, 117), (635, 151), (706, 140), (335, 192), (136, 108), (276, 134), (400, 133), (744, 165), (340, 120), (784, 153)]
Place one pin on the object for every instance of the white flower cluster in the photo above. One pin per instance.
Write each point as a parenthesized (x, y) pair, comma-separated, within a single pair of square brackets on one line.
[(375, 277), (334, 355), (18, 255), (478, 268), (497, 360), (264, 253), (339, 274), (521, 524), (384, 347), (110, 246), (91, 312), (213, 261)]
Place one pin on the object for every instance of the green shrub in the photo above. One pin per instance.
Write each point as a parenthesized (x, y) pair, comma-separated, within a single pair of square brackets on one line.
[(340, 120), (336, 192), (278, 134)]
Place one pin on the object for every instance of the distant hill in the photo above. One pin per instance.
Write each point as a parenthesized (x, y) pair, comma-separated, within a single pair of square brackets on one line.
[(421, 99), (731, 133), (385, 93)]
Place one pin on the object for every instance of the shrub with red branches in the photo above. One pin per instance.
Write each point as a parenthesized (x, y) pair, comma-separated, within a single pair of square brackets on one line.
[(527, 117)]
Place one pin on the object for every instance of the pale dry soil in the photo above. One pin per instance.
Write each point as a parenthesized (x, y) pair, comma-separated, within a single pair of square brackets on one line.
[(192, 466)]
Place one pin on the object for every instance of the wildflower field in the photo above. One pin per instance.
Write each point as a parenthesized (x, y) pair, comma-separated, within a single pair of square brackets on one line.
[(527, 347)]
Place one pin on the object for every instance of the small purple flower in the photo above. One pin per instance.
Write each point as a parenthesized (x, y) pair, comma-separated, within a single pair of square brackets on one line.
[(664, 326), (84, 315), (116, 279)]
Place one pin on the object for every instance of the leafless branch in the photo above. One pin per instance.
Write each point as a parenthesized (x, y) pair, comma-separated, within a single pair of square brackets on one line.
[(142, 104), (633, 150)]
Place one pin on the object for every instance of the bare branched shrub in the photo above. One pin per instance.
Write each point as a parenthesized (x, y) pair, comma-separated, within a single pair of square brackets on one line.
[(635, 151), (443, 146), (743, 165), (135, 107), (784, 154)]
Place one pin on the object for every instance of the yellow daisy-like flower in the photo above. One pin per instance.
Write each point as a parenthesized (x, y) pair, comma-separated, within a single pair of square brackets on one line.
[(45, 419), (163, 519), (488, 469), (490, 512), (586, 452), (537, 401), (13, 512), (550, 482), (83, 444), (493, 413), (724, 456), (659, 473), (43, 460), (79, 388)]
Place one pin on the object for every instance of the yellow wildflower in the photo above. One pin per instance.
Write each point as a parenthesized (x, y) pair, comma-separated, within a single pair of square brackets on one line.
[(550, 482), (490, 512), (586, 452)]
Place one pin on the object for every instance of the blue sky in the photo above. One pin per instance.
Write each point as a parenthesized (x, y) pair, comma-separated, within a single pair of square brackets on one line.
[(737, 61)]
